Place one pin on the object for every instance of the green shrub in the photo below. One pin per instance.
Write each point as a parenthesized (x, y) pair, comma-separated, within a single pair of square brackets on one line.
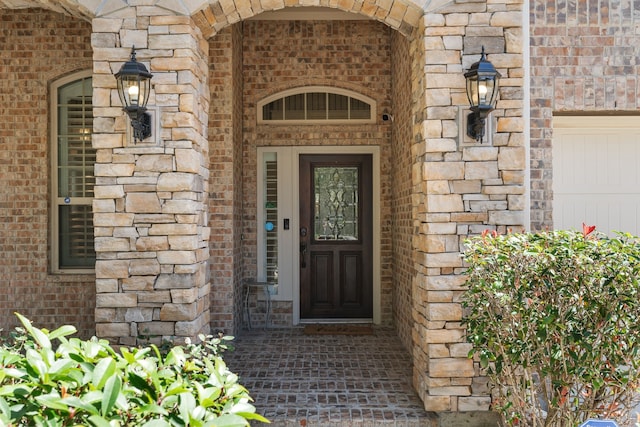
[(554, 318), (90, 383)]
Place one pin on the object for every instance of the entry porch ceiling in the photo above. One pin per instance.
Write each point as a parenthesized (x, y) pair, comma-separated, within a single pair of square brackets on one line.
[(309, 13)]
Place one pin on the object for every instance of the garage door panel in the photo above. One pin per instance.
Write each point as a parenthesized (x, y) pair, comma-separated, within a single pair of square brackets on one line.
[(596, 163), (607, 212), (596, 174)]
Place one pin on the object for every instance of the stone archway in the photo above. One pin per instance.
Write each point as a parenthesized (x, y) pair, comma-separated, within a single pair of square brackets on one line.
[(403, 16), (213, 15)]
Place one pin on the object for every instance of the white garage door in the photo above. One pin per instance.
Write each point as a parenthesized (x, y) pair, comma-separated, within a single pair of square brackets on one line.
[(596, 173)]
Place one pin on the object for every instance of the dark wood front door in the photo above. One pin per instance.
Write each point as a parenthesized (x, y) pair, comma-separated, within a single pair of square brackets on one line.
[(336, 236)]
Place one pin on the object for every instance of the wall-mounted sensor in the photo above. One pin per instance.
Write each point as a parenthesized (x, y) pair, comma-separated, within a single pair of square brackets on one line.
[(386, 117)]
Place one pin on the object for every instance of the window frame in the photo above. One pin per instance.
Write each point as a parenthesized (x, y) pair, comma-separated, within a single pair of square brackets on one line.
[(55, 201), (303, 90)]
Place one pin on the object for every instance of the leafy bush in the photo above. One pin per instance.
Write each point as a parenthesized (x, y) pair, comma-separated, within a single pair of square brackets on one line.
[(89, 383), (554, 318)]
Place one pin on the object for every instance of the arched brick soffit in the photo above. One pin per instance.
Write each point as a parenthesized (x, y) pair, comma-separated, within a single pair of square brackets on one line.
[(213, 15)]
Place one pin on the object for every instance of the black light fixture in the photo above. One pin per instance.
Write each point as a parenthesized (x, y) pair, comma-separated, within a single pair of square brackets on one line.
[(482, 91), (134, 86)]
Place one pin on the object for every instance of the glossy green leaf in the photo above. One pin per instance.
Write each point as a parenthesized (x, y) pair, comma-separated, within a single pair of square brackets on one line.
[(98, 421), (60, 366), (153, 409), (187, 406), (141, 384), (5, 410), (103, 371), (156, 423), (110, 393), (230, 420), (63, 331), (39, 336), (76, 402), (52, 401)]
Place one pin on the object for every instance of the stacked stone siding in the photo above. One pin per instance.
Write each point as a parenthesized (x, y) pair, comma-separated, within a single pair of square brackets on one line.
[(584, 59), (150, 211), (38, 47), (461, 190)]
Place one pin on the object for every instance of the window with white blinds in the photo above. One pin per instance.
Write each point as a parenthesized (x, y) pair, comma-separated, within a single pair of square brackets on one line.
[(270, 241), (317, 105), (73, 159)]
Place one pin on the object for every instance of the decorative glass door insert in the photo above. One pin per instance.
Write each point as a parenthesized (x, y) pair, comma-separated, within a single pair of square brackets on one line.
[(336, 203)]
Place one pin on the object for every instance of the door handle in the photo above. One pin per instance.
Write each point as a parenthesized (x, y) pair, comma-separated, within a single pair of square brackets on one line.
[(303, 247), (303, 255)]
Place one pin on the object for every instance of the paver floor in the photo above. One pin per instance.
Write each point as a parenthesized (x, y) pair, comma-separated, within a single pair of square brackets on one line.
[(328, 380)]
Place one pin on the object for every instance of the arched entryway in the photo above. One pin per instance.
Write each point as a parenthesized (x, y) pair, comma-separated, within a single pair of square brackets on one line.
[(331, 50), (256, 59)]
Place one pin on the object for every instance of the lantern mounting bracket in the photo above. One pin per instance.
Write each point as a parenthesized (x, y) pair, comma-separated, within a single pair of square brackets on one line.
[(140, 122)]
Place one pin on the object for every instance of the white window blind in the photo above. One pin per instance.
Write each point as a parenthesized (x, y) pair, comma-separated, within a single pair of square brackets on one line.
[(73, 160)]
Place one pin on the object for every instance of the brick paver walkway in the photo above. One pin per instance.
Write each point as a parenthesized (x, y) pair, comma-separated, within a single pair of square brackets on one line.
[(328, 380)]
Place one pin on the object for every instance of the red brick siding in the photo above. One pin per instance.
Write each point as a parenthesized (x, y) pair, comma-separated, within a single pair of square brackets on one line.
[(237, 171), (36, 48), (401, 184), (585, 57), (222, 184)]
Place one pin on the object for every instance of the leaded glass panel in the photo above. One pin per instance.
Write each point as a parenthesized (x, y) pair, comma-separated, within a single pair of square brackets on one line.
[(336, 203)]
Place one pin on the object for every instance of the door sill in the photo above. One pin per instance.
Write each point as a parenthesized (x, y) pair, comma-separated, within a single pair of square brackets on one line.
[(334, 321)]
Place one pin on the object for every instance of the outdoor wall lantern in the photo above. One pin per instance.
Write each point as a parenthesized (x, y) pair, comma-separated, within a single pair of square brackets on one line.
[(134, 86), (482, 91)]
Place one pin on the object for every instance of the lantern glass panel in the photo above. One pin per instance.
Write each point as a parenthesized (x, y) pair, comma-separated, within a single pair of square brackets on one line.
[(481, 91), (133, 91), (472, 91)]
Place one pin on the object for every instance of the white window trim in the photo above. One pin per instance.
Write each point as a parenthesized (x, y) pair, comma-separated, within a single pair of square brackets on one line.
[(53, 142), (319, 89)]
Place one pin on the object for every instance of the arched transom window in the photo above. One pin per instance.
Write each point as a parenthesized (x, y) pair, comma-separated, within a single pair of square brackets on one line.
[(317, 105)]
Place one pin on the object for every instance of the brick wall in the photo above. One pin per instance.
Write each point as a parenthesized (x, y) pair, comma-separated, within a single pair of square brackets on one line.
[(584, 58), (402, 223), (36, 48), (225, 186), (221, 180), (352, 55), (237, 171)]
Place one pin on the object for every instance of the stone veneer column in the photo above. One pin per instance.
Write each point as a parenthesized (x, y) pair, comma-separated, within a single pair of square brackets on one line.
[(460, 190), (150, 213)]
